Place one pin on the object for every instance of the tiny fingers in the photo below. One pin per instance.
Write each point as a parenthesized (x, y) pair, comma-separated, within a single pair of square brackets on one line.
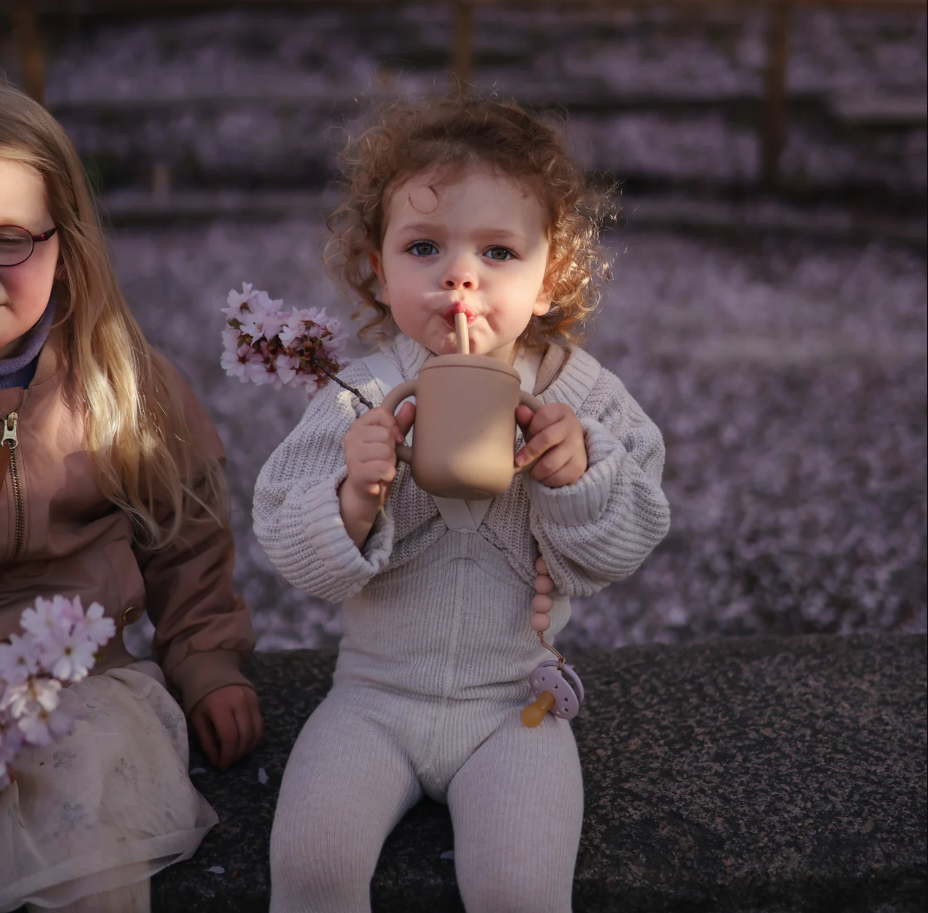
[(370, 453), (559, 467), (246, 733), (207, 736), (404, 420), (556, 443), (229, 739), (545, 431), (552, 462), (257, 719), (524, 417)]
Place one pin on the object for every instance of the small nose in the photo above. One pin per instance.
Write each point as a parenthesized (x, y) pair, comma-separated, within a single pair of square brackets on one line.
[(459, 276), (463, 282)]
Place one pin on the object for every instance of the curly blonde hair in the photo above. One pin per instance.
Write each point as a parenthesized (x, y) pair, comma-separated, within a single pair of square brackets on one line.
[(448, 135)]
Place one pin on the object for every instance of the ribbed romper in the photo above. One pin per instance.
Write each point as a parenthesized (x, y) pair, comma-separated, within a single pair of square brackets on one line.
[(430, 682)]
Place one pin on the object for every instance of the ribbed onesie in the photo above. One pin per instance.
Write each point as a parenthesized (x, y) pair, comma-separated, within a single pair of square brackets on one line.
[(437, 648)]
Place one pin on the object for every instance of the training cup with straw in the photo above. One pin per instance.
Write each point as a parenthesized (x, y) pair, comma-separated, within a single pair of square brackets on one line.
[(464, 439)]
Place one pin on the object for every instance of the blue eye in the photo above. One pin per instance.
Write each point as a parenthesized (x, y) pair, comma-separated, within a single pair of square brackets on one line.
[(499, 254), (422, 249)]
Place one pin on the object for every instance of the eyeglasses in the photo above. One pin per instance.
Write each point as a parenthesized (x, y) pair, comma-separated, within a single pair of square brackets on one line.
[(17, 244)]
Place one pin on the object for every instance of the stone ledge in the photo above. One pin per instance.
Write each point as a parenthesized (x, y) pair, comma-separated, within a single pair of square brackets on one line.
[(774, 775)]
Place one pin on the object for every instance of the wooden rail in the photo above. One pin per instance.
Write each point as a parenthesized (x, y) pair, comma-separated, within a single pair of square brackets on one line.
[(26, 16)]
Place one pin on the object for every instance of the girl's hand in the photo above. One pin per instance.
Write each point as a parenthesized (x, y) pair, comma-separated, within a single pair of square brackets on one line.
[(228, 723), (370, 455), (554, 434)]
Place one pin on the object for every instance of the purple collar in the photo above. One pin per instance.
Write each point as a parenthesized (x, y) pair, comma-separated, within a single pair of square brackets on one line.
[(18, 370)]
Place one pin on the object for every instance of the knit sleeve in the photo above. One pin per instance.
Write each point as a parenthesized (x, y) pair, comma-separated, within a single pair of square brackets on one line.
[(603, 526), (296, 512)]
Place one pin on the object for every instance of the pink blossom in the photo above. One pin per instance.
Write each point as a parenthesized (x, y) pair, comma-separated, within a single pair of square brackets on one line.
[(40, 728), (230, 338), (267, 345), (75, 659), (98, 627), (58, 647), (287, 367), (260, 373), (18, 659), (234, 361), (236, 300), (266, 325), (11, 738), (42, 620), (31, 697)]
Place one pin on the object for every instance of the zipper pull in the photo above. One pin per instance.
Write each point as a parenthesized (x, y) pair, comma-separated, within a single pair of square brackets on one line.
[(8, 443), (9, 431)]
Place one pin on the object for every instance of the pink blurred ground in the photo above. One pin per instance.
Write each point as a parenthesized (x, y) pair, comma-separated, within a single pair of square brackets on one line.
[(780, 347)]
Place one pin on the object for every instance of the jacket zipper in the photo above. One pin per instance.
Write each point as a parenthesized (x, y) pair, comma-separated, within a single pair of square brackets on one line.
[(9, 439)]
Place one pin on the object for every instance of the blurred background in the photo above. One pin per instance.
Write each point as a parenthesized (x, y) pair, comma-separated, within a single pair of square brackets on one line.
[(768, 306)]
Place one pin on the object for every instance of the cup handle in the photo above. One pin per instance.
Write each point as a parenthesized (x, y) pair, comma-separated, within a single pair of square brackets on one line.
[(534, 403), (390, 402)]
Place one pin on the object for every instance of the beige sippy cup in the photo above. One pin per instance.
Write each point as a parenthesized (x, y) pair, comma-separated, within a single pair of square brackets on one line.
[(465, 425)]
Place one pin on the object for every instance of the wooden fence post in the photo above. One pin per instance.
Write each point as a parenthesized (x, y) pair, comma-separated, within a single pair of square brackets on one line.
[(462, 44), (778, 16), (27, 37)]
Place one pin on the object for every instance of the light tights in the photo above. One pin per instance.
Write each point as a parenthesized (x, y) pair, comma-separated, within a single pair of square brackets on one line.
[(516, 804)]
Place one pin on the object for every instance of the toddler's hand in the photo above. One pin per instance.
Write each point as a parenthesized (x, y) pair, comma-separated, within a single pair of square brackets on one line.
[(554, 434), (228, 723), (370, 455), (370, 449)]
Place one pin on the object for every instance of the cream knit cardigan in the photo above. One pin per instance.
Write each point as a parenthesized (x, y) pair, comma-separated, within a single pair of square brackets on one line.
[(597, 530)]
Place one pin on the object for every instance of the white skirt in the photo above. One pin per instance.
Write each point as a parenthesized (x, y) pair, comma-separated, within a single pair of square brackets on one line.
[(107, 806)]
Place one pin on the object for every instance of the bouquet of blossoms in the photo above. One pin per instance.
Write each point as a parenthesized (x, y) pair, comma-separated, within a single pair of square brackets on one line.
[(268, 345), (59, 646)]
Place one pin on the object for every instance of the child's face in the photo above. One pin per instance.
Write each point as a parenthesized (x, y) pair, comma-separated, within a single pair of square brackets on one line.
[(481, 244), (24, 289)]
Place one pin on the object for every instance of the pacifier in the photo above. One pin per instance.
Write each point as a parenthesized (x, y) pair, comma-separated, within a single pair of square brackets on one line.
[(552, 691)]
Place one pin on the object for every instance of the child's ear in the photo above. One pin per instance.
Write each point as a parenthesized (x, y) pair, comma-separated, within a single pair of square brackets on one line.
[(376, 262), (544, 300)]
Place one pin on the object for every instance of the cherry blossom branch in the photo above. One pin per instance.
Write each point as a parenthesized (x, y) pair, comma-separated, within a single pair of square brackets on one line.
[(364, 400), (267, 345), (59, 646)]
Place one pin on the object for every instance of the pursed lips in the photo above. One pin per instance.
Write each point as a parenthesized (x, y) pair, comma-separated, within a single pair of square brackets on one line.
[(458, 307)]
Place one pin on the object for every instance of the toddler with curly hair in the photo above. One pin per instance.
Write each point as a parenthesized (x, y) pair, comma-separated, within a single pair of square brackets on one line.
[(454, 205)]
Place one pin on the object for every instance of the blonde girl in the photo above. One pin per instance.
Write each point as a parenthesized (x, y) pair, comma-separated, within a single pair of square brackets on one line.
[(111, 489), (454, 206)]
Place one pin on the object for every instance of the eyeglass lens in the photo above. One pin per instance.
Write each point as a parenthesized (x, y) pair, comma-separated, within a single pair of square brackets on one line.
[(15, 245)]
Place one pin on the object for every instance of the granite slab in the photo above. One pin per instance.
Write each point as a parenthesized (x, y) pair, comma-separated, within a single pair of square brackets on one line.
[(761, 775)]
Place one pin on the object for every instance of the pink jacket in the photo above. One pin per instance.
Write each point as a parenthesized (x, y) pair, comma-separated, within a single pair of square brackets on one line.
[(59, 534)]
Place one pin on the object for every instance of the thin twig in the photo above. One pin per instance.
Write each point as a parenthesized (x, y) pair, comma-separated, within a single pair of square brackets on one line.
[(341, 383)]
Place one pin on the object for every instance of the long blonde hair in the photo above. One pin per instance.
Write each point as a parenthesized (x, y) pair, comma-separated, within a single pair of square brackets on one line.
[(135, 428)]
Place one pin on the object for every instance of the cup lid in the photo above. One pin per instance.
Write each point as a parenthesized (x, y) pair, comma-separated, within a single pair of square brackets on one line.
[(477, 362)]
